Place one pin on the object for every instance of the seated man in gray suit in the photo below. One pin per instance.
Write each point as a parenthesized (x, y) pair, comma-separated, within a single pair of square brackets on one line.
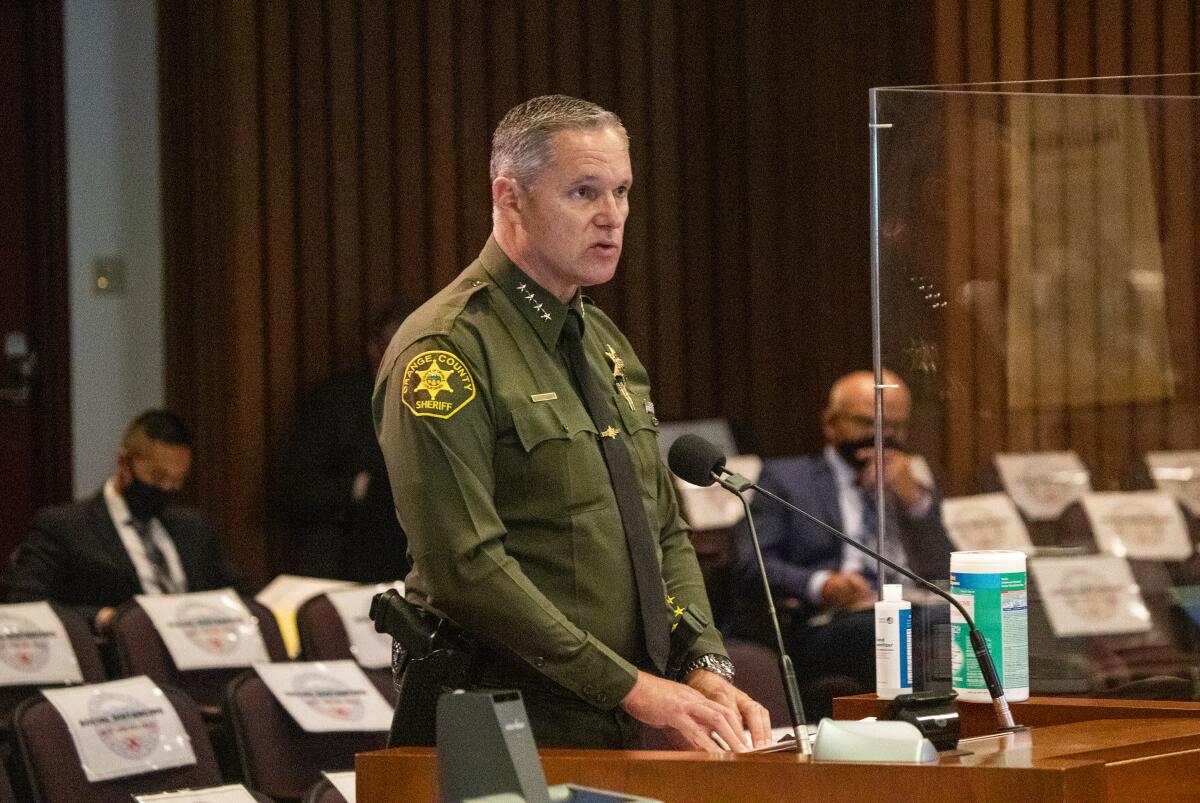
[(126, 539), (827, 588)]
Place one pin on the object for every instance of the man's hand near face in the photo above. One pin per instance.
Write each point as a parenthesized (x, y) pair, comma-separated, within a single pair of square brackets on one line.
[(897, 475)]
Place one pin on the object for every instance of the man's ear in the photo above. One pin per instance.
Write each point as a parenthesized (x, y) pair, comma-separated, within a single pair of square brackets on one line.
[(507, 196), (124, 467)]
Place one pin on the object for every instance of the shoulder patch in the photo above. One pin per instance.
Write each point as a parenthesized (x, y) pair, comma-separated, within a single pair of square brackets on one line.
[(437, 384)]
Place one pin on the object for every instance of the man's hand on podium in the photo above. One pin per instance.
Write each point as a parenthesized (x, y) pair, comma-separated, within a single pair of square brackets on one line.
[(686, 713), (752, 717)]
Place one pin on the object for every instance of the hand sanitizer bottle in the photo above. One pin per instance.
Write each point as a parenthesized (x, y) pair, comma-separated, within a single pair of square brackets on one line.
[(893, 644)]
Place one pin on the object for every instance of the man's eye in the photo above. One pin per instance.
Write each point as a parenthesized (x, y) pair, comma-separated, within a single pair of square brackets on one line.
[(621, 192), (582, 192)]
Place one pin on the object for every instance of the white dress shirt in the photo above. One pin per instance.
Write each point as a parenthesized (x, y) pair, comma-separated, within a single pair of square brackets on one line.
[(122, 519)]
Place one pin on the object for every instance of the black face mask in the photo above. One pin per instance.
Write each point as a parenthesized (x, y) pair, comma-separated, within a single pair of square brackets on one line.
[(849, 449), (146, 501)]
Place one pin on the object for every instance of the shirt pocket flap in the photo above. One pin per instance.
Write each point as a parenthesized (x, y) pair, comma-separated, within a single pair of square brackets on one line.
[(544, 421), (635, 420)]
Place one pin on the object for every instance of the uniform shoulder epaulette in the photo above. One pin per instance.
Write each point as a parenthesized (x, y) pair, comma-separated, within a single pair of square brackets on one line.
[(437, 315)]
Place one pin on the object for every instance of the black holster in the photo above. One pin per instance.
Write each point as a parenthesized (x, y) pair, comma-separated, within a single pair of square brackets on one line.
[(430, 658)]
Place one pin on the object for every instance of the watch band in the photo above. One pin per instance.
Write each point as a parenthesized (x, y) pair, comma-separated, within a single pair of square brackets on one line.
[(711, 662)]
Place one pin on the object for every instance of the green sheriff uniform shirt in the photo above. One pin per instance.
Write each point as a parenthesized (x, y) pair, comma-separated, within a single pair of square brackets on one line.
[(512, 523)]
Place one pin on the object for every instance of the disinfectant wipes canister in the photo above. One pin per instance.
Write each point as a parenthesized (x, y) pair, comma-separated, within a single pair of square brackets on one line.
[(990, 585)]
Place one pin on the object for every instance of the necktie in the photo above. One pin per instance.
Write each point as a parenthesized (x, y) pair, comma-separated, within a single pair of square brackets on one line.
[(162, 572), (656, 625)]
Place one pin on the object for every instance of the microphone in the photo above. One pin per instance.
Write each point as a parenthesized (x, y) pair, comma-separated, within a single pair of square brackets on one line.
[(699, 462), (691, 455)]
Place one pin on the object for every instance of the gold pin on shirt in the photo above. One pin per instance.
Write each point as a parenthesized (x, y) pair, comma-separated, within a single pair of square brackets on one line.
[(611, 432), (618, 369)]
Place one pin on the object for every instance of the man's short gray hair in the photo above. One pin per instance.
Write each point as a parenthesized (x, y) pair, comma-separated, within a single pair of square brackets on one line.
[(521, 144)]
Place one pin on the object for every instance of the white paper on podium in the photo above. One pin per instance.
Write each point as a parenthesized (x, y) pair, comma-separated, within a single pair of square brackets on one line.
[(711, 507), (985, 521), (1177, 473), (1043, 484), (372, 650), (285, 594), (344, 783), (34, 647), (1090, 595), (233, 793), (206, 629), (325, 696), (1140, 525), (123, 727)]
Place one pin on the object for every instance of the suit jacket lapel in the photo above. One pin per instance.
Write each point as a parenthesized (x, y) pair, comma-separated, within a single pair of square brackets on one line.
[(829, 493)]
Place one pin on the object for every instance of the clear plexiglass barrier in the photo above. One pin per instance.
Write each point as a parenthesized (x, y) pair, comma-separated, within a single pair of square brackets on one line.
[(1036, 250)]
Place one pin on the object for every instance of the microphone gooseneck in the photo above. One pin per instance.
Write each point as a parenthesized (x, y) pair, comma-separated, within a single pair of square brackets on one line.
[(787, 672)]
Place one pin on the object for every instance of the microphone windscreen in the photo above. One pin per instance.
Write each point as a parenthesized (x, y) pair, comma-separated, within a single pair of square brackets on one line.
[(694, 459)]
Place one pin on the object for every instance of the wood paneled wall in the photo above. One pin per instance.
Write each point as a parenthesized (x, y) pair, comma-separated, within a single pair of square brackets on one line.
[(321, 158), (1007, 40)]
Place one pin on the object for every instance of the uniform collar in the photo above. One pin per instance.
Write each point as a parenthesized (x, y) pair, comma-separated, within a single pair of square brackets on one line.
[(545, 313)]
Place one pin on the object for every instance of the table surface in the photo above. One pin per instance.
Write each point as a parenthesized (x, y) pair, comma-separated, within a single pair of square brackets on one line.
[(1080, 761)]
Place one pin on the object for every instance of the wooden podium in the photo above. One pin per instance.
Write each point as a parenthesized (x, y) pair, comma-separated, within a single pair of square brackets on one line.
[(976, 719), (1099, 760)]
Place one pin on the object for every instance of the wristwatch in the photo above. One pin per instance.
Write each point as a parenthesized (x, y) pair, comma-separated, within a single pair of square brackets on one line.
[(711, 662)]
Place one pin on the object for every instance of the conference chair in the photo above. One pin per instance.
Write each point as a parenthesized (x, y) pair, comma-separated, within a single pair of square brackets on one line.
[(91, 667), (141, 651), (278, 757), (54, 773), (757, 674), (6, 788), (321, 792), (323, 638)]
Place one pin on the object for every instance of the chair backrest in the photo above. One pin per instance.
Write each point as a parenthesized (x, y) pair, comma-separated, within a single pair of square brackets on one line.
[(757, 674), (323, 638), (56, 776), (322, 635), (142, 652), (91, 665), (6, 789), (278, 757), (323, 792)]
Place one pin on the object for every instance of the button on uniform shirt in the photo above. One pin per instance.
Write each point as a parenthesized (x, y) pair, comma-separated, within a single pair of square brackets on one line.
[(512, 521), (123, 520)]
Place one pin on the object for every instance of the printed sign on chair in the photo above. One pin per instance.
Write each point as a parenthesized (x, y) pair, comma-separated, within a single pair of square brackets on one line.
[(206, 629), (34, 647), (123, 727)]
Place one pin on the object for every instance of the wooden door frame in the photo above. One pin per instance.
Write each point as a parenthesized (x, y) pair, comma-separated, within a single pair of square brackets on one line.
[(49, 313)]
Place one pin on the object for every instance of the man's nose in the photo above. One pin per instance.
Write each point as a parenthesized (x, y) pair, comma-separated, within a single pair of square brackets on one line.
[(612, 213)]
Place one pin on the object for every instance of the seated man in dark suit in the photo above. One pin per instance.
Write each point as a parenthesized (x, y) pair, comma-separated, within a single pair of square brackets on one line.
[(827, 588), (127, 539)]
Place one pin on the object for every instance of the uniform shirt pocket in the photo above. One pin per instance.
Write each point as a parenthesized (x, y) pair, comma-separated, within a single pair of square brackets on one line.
[(553, 469), (643, 440)]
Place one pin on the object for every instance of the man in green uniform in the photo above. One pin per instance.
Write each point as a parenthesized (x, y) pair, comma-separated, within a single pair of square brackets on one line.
[(522, 447)]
